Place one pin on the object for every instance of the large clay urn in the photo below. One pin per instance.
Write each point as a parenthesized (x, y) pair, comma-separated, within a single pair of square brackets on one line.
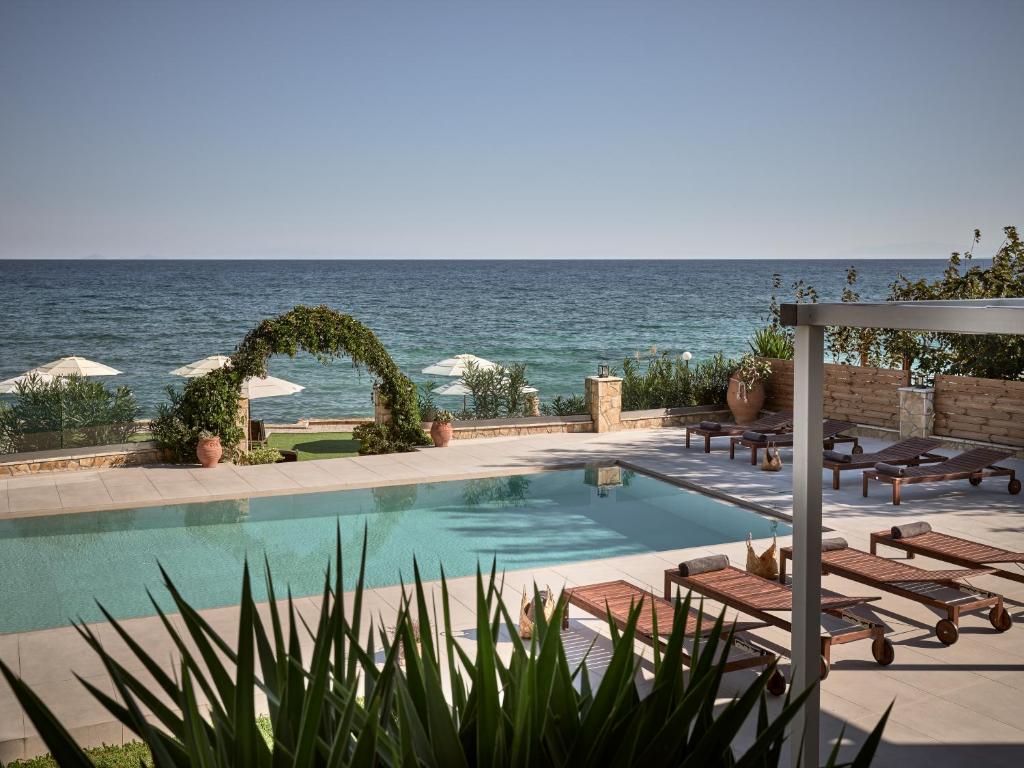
[(744, 402), (441, 433), (209, 451)]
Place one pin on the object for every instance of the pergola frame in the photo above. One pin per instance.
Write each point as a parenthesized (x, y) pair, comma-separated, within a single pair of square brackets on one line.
[(982, 316)]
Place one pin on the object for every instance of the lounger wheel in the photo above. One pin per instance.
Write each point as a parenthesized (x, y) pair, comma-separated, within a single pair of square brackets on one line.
[(947, 632), (883, 651), (824, 668), (858, 450), (1014, 486), (1000, 619), (777, 683), (975, 480)]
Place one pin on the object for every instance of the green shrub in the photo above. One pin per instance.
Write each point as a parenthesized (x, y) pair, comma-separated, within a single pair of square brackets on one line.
[(260, 454), (414, 697), (496, 392), (425, 400), (672, 382), (66, 412), (206, 404), (772, 341), (570, 405), (379, 438)]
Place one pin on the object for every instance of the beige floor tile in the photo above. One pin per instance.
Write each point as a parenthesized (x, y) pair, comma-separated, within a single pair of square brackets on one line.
[(33, 498), (56, 655), (72, 703), (267, 478), (87, 494)]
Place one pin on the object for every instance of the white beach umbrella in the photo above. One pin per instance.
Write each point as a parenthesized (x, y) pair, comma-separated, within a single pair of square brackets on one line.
[(456, 366), (458, 389), (202, 367), (10, 386), (75, 366), (268, 386)]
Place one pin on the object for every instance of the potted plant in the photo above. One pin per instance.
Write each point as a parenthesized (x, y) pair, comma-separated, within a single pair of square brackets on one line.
[(745, 395), (441, 429), (209, 450)]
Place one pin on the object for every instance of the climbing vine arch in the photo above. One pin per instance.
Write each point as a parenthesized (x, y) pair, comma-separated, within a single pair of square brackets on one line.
[(209, 404), (327, 334)]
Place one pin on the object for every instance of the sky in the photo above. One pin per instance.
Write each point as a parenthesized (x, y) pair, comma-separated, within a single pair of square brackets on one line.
[(554, 129)]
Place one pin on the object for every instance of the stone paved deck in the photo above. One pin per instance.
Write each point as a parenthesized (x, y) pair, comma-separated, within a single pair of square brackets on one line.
[(954, 705)]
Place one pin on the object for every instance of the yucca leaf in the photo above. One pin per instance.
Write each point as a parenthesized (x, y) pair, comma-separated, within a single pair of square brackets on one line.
[(54, 735)]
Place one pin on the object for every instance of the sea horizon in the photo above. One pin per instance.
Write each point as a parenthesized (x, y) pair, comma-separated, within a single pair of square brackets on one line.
[(562, 318)]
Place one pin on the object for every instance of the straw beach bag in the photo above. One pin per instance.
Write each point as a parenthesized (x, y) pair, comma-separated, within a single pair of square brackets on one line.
[(763, 564), (526, 612), (772, 461)]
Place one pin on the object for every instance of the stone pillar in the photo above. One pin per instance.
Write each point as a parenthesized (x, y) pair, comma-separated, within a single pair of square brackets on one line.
[(604, 395), (381, 407), (917, 411), (243, 422)]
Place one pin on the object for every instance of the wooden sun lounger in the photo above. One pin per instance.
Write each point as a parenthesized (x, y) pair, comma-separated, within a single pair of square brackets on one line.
[(952, 549), (764, 600), (912, 451), (832, 431), (773, 422), (618, 598), (972, 465), (942, 590)]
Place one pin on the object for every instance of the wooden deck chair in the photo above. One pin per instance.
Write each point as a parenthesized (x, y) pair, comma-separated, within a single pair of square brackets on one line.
[(832, 431), (911, 452), (257, 432), (972, 465), (920, 539), (942, 590), (773, 422), (618, 598), (767, 600)]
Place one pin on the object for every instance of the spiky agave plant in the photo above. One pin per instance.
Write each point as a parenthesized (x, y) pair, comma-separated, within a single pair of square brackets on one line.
[(340, 707)]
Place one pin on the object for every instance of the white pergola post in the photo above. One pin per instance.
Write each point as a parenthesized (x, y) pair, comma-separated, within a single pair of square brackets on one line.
[(808, 372)]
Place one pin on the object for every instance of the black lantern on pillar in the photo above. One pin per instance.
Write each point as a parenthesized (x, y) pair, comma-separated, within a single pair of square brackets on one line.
[(603, 371)]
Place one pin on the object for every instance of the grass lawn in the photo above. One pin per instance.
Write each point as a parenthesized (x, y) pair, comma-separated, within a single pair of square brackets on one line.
[(318, 445), (131, 755)]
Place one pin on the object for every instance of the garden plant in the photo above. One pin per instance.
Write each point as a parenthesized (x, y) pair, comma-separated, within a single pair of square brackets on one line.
[(413, 696)]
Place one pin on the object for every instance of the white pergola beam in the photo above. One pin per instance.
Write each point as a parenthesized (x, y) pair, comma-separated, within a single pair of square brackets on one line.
[(972, 317), (975, 316), (808, 386)]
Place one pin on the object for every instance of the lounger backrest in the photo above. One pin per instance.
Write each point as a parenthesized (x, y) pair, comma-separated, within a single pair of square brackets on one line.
[(974, 459)]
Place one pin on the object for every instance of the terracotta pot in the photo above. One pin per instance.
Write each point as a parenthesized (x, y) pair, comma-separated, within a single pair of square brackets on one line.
[(745, 403), (441, 434), (209, 452)]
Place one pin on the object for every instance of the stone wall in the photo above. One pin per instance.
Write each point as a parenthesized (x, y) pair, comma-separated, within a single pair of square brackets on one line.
[(852, 393), (526, 425), (672, 417), (987, 410), (70, 459)]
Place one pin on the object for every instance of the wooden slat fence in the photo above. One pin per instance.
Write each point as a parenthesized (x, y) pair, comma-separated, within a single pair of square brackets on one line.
[(989, 410), (852, 393)]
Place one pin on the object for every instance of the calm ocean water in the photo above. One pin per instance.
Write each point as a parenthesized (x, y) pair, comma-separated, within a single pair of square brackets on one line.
[(560, 317)]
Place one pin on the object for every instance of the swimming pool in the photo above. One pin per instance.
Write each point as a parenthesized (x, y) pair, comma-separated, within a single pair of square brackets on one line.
[(54, 567)]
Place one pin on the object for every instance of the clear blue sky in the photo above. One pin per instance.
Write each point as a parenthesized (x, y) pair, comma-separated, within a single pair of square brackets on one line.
[(478, 129)]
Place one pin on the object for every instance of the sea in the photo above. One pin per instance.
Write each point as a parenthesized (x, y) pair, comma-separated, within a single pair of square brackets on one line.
[(561, 318)]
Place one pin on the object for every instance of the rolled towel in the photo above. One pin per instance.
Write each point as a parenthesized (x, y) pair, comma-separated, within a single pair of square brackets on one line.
[(703, 565), (909, 530), (755, 437), (842, 458), (713, 426), (830, 545), (890, 469)]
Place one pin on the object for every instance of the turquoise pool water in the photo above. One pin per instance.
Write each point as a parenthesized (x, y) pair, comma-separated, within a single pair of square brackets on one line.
[(53, 568)]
